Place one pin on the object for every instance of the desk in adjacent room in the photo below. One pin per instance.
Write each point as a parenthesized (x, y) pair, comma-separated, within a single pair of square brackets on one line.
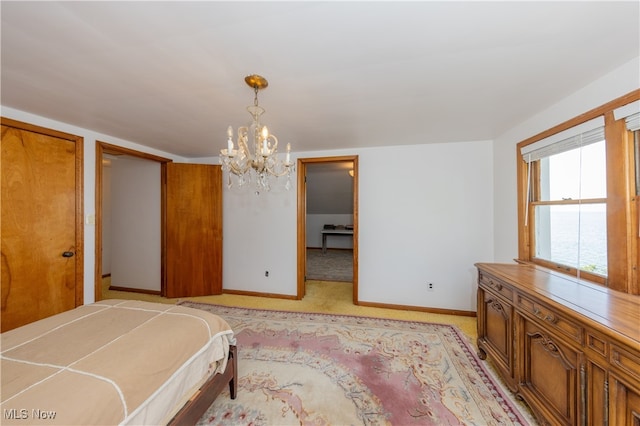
[(325, 232)]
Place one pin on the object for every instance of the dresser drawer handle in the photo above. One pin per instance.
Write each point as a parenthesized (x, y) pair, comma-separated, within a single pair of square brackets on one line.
[(549, 317), (494, 285)]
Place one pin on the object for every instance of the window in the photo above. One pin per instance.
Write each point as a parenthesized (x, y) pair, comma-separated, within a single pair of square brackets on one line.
[(578, 196), (570, 213), (567, 199)]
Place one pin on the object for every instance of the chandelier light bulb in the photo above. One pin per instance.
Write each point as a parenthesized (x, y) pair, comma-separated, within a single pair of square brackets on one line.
[(230, 141)]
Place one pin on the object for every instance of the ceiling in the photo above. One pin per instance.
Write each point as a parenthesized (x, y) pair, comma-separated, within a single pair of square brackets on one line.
[(170, 75)]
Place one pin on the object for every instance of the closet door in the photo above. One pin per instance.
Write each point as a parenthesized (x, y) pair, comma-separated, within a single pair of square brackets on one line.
[(193, 238), (41, 223)]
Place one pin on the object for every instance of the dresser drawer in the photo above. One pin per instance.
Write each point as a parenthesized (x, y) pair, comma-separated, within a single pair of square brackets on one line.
[(495, 285), (551, 318), (626, 360), (597, 344)]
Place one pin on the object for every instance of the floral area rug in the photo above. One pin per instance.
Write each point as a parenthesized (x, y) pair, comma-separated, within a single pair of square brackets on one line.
[(317, 369)]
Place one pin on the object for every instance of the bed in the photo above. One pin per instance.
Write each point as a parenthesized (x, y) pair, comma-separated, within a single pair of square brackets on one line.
[(116, 362)]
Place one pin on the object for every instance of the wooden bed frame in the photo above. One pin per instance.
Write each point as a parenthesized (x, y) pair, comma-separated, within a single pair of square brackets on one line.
[(195, 408)]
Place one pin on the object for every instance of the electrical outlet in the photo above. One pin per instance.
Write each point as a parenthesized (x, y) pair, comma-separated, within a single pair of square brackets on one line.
[(429, 286), (266, 274)]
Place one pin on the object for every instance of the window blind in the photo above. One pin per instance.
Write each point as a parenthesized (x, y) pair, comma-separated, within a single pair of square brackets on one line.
[(589, 132), (630, 113)]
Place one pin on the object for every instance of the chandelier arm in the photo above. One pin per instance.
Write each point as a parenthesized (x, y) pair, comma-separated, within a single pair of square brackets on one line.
[(237, 170), (243, 136), (285, 172), (273, 149)]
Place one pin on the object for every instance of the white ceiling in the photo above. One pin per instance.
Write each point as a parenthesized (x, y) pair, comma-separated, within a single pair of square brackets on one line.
[(170, 75)]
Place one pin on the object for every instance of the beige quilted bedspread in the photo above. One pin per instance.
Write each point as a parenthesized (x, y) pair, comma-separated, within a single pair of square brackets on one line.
[(108, 362)]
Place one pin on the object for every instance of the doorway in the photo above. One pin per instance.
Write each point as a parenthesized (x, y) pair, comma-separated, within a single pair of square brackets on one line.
[(342, 164), (103, 152), (190, 225)]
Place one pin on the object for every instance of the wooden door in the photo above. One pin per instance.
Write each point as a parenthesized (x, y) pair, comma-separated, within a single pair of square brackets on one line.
[(41, 223), (193, 235)]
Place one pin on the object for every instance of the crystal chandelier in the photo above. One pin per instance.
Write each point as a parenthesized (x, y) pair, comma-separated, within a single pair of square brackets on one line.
[(257, 161)]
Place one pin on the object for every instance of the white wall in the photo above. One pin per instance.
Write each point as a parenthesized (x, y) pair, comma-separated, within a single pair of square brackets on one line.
[(617, 83), (136, 227), (259, 235), (427, 218)]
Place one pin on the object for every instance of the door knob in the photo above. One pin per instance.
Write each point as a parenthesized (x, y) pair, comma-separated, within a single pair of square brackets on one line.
[(67, 254)]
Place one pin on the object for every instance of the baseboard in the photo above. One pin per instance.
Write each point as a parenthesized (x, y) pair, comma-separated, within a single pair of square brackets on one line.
[(259, 294), (331, 248), (419, 309), (135, 290)]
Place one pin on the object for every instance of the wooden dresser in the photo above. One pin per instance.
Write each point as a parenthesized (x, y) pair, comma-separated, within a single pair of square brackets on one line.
[(570, 349)]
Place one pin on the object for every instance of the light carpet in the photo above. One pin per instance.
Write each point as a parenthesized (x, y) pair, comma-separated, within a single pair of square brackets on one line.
[(301, 368), (334, 265)]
